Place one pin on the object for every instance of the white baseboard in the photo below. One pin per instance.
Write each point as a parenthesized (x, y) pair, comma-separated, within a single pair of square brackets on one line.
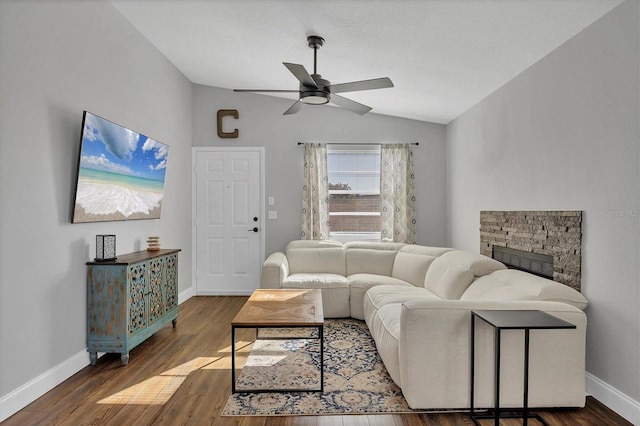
[(19, 398), (24, 395), (185, 295), (614, 399)]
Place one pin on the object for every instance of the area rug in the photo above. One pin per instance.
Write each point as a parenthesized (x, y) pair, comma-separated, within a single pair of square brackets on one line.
[(355, 379)]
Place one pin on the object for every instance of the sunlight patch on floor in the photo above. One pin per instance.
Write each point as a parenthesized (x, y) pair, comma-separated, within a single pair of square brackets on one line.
[(154, 391), (158, 390)]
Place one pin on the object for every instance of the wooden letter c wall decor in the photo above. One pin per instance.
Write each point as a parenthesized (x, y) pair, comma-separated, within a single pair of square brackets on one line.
[(221, 114)]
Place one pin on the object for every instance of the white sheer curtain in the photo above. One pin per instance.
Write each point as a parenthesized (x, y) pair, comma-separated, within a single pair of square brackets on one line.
[(397, 196), (315, 193)]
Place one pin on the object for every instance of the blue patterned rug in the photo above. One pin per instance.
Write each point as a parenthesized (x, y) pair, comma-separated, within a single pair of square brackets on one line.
[(355, 379)]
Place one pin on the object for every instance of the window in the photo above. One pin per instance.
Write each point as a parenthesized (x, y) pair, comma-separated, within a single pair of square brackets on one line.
[(354, 192)]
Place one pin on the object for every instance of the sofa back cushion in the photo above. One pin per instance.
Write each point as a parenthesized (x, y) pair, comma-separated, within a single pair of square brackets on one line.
[(450, 274), (370, 257), (412, 261), (316, 256), (512, 284)]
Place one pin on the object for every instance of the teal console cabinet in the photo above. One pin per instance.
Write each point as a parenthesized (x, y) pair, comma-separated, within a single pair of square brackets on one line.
[(129, 299)]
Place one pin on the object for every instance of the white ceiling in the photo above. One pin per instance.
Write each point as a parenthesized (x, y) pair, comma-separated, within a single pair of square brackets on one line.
[(443, 56)]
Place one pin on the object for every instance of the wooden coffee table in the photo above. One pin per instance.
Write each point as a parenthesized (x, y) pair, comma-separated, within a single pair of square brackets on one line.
[(276, 308)]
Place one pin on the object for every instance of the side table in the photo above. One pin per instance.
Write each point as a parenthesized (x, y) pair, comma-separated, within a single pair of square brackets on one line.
[(510, 320)]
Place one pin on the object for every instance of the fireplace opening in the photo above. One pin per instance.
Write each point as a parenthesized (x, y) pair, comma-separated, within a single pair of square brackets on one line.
[(534, 263)]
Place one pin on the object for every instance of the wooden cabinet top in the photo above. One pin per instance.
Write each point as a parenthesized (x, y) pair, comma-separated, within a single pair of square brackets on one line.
[(135, 257)]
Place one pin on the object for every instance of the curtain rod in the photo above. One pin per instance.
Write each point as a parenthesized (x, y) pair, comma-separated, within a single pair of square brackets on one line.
[(347, 143)]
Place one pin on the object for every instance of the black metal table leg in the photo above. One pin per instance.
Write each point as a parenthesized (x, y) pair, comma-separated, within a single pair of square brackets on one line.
[(525, 403), (497, 376), (233, 359), (473, 362), (321, 337)]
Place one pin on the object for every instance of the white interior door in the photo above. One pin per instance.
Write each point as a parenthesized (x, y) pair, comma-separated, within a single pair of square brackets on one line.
[(229, 242)]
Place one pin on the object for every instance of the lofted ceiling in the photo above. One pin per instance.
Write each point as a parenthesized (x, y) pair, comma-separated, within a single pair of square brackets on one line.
[(443, 56)]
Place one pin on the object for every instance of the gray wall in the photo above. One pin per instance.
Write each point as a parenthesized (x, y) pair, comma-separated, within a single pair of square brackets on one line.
[(56, 60), (564, 135), (261, 123)]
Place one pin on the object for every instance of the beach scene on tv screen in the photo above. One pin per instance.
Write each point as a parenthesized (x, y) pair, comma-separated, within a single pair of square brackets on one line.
[(121, 173)]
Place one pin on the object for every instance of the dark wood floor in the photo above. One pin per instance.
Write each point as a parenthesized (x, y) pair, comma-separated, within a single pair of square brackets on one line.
[(181, 376)]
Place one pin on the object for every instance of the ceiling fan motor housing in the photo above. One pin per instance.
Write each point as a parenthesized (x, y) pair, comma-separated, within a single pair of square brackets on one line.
[(316, 95)]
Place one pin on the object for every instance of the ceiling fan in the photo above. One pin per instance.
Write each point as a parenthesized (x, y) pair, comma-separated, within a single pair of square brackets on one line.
[(314, 90)]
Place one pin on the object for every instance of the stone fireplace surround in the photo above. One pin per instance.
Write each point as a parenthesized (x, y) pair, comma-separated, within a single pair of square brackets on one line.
[(554, 233)]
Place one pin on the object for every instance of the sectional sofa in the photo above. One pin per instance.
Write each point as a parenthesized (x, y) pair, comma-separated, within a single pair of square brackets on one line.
[(417, 303)]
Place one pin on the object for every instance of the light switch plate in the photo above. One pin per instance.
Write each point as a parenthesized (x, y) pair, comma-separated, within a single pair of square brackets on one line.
[(272, 200)]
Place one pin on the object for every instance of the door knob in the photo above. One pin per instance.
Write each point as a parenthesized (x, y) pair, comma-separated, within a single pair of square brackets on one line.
[(255, 229)]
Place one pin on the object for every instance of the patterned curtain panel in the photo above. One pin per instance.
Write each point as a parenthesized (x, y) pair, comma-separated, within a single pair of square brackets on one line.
[(397, 194), (315, 193)]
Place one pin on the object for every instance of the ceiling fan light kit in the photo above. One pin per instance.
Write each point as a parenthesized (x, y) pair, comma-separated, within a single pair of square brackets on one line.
[(316, 97), (315, 90)]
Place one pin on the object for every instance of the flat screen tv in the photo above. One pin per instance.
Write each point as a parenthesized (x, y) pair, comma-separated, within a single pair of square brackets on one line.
[(120, 173)]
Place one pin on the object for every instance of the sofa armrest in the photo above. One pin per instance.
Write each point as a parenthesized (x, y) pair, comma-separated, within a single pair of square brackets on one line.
[(434, 355), (274, 270)]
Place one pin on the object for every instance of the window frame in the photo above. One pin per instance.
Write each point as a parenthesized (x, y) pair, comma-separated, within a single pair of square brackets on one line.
[(346, 236)]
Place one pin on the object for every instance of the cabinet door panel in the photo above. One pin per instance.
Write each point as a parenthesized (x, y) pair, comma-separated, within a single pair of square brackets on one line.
[(138, 300), (171, 281), (106, 304), (156, 296)]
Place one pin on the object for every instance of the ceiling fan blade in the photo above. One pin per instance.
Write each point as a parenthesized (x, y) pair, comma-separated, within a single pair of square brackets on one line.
[(354, 86), (301, 74), (353, 106), (294, 108), (266, 90)]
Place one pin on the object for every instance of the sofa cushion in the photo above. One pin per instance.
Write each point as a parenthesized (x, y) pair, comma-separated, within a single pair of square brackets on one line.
[(322, 256), (369, 280), (450, 274), (511, 284), (369, 257), (335, 291), (359, 284), (412, 262), (382, 295), (385, 330)]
